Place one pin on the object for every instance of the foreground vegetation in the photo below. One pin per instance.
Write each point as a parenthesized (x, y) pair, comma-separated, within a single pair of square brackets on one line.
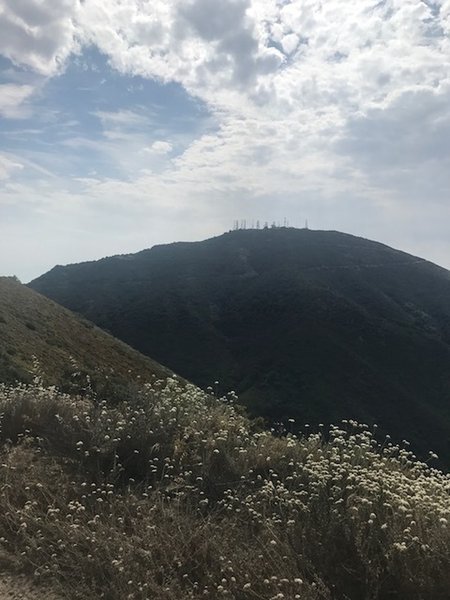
[(172, 494)]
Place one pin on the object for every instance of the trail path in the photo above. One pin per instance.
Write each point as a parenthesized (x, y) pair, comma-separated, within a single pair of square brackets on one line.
[(360, 267), (18, 587)]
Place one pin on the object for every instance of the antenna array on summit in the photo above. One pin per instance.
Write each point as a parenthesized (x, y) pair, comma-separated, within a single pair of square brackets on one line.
[(239, 224)]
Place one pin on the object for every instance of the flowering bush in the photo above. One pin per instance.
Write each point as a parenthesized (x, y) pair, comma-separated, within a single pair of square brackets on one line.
[(174, 494)]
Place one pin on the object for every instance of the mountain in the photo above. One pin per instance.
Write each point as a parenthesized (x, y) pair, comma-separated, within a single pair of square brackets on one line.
[(36, 330), (314, 325)]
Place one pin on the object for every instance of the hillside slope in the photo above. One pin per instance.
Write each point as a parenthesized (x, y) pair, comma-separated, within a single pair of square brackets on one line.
[(315, 325), (33, 328)]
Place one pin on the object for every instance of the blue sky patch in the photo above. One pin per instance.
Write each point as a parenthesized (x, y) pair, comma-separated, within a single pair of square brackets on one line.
[(79, 116)]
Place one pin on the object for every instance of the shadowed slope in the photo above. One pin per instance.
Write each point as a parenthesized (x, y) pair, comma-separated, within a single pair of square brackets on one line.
[(314, 325)]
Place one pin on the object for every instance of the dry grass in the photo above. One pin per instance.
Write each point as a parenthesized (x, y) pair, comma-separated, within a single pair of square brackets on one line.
[(32, 325), (175, 495)]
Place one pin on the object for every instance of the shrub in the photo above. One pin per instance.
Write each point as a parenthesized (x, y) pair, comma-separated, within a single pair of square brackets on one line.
[(173, 494)]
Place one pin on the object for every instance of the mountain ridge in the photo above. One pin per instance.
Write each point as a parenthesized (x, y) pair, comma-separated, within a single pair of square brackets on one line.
[(313, 325)]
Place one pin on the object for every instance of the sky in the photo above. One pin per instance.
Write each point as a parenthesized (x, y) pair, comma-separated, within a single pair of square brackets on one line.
[(130, 123)]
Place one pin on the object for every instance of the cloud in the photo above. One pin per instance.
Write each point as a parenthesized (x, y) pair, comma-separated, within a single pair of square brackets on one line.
[(335, 109), (161, 147), (242, 54), (8, 166), (213, 22), (404, 147), (206, 46), (123, 119), (38, 35), (12, 100), (236, 52)]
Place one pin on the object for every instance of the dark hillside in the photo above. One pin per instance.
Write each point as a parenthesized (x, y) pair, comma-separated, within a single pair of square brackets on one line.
[(315, 325)]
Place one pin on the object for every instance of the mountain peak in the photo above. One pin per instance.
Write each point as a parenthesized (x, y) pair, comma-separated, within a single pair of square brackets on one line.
[(314, 325)]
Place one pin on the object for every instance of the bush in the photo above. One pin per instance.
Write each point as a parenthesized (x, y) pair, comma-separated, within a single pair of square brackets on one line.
[(173, 494)]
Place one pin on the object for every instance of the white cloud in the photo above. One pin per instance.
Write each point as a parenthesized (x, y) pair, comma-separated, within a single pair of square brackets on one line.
[(336, 108), (8, 166), (207, 46), (13, 98), (122, 119), (37, 34), (312, 63), (235, 54), (161, 147)]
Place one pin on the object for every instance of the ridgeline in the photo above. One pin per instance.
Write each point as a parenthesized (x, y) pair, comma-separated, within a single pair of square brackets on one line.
[(40, 337), (317, 326)]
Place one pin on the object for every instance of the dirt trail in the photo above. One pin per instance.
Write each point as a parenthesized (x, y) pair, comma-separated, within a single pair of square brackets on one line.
[(18, 587), (360, 267)]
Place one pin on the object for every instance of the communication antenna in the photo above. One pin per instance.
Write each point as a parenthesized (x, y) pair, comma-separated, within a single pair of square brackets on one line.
[(306, 224)]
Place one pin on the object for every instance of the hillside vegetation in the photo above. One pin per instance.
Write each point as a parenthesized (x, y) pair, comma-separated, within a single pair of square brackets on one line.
[(174, 495), (316, 325), (36, 331)]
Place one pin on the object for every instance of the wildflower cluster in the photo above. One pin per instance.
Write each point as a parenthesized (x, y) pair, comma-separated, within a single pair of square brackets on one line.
[(174, 494)]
